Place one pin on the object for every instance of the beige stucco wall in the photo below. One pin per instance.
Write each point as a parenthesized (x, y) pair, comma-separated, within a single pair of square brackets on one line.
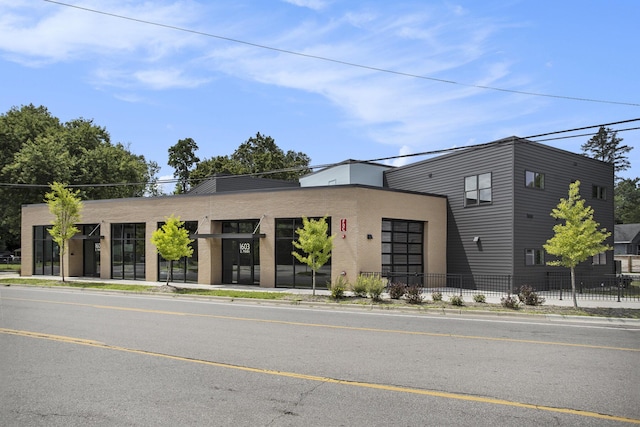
[(362, 207)]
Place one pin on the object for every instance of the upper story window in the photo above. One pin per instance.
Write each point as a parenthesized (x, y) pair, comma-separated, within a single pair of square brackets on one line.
[(534, 179), (477, 190), (599, 192)]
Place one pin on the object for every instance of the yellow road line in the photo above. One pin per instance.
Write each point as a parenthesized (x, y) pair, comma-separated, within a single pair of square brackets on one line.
[(383, 387), (321, 325)]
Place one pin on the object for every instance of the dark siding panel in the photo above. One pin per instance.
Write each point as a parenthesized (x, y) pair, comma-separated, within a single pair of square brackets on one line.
[(492, 223), (533, 223)]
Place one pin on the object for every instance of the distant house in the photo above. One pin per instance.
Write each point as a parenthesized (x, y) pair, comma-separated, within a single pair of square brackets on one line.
[(626, 239)]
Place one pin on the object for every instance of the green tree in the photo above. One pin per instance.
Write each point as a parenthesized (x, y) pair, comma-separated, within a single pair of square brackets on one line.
[(315, 242), (259, 155), (605, 146), (66, 207), (627, 201), (172, 242), (182, 157), (37, 149), (578, 238)]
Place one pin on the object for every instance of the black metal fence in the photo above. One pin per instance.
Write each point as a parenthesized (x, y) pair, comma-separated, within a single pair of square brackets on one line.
[(555, 285)]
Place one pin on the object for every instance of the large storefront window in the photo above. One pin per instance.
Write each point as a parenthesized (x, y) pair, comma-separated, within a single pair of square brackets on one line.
[(403, 250), (128, 251), (46, 254), (290, 272), (185, 269)]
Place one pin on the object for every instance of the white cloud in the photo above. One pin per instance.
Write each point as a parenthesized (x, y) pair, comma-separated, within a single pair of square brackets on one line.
[(310, 4), (44, 33), (160, 79)]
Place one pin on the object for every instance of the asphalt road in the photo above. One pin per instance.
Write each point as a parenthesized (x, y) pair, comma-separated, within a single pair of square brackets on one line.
[(77, 358)]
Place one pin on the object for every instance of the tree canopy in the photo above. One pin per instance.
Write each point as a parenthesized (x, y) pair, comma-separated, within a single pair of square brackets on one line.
[(605, 146), (65, 205), (578, 237), (36, 149), (315, 242), (182, 157), (257, 155), (627, 201)]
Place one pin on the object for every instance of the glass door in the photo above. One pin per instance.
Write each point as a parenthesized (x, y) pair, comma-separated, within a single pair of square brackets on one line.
[(239, 260)]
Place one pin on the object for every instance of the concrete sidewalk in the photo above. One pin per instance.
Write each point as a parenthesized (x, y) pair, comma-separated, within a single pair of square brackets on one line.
[(491, 297)]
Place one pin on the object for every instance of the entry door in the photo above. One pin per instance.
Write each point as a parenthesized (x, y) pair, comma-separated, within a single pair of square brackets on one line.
[(238, 261), (91, 252)]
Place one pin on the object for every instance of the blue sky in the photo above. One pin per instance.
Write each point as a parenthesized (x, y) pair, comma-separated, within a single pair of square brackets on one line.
[(152, 85)]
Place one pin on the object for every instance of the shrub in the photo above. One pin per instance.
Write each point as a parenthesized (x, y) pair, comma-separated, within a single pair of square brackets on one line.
[(436, 296), (528, 296), (510, 302), (456, 300), (359, 288), (480, 298), (338, 287), (414, 294), (375, 287), (397, 290)]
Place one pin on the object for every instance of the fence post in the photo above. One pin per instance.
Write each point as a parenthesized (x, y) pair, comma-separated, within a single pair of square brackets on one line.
[(561, 287), (620, 283)]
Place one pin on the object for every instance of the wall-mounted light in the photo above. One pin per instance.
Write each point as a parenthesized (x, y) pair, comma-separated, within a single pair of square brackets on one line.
[(476, 239), (369, 236)]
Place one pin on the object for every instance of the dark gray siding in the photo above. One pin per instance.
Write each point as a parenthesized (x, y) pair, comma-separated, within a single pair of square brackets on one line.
[(533, 224), (226, 183), (493, 224)]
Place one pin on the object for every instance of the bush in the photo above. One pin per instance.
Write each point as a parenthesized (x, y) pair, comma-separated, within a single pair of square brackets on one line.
[(414, 294), (456, 300), (359, 288), (436, 296), (528, 296), (510, 302), (338, 287), (397, 290), (480, 298), (375, 287)]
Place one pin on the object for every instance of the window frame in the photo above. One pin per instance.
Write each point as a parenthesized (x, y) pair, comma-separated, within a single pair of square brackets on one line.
[(534, 257), (534, 180), (598, 192), (599, 259), (473, 186)]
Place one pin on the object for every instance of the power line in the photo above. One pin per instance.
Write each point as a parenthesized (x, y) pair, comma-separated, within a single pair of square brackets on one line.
[(341, 62), (322, 166), (583, 128)]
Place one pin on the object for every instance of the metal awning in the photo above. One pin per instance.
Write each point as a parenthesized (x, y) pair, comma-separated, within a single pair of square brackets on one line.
[(237, 236), (86, 237)]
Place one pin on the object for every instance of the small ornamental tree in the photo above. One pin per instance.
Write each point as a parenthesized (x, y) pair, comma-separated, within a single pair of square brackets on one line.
[(172, 242), (315, 242), (66, 206), (578, 238)]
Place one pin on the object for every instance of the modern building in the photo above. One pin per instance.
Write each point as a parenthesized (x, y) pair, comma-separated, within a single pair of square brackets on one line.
[(500, 196), (244, 237), (478, 212)]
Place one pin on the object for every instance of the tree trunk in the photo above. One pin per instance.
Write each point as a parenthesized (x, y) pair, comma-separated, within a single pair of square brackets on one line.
[(313, 282), (170, 272), (62, 251), (573, 287)]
